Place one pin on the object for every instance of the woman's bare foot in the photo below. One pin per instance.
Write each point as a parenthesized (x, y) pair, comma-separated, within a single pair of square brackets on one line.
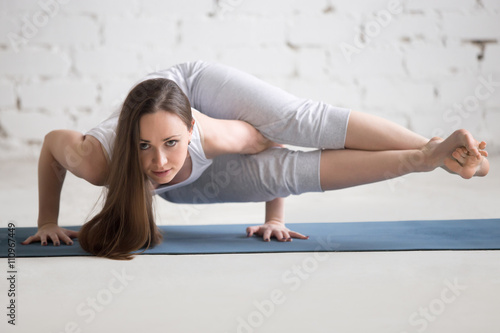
[(459, 153), (467, 165)]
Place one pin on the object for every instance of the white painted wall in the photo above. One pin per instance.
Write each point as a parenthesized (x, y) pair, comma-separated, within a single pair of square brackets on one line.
[(433, 66)]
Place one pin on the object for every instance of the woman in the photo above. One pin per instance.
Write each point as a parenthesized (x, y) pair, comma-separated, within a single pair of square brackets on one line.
[(159, 144)]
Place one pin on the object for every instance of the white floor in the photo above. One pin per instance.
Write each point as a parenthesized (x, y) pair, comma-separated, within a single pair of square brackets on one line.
[(447, 291)]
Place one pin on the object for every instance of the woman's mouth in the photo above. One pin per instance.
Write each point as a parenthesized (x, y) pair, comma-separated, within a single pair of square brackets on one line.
[(161, 173)]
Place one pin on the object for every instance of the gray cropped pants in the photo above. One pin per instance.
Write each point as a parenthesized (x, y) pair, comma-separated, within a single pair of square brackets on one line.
[(226, 93)]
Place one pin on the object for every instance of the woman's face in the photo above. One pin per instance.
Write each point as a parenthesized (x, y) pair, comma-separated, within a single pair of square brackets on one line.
[(163, 145)]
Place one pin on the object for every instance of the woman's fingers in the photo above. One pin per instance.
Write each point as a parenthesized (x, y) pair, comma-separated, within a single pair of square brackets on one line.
[(66, 239), (55, 240), (30, 239), (67, 235), (297, 235), (61, 235), (279, 235), (282, 234), (267, 235), (72, 233), (43, 239), (286, 236), (252, 230)]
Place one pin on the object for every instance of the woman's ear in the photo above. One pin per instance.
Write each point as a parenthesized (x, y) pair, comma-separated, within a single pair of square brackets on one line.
[(191, 129)]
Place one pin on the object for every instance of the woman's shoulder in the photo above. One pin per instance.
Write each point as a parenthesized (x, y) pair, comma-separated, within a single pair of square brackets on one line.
[(198, 144), (105, 132)]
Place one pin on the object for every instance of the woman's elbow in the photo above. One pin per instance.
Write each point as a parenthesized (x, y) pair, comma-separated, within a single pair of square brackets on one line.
[(95, 167), (95, 177)]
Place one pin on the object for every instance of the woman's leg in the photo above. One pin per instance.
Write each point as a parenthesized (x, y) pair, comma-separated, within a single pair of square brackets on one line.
[(273, 173), (226, 93), (368, 132), (279, 172), (347, 168)]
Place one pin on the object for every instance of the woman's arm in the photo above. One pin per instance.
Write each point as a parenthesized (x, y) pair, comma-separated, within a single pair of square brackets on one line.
[(64, 150), (275, 224), (230, 137)]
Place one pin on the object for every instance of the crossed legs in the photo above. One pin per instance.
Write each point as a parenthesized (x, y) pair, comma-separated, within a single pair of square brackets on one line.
[(377, 149)]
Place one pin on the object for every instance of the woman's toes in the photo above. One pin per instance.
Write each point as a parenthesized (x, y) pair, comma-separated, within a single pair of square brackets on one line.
[(458, 156)]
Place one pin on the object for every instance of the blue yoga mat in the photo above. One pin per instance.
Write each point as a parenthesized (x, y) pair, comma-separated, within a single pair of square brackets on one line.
[(481, 234)]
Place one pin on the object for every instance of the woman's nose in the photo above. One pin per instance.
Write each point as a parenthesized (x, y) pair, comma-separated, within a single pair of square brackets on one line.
[(160, 158)]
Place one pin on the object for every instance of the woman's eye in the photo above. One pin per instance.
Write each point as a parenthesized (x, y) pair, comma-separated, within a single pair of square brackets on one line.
[(171, 143), (143, 146)]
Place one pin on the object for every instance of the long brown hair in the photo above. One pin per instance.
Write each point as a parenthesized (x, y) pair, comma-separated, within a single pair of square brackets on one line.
[(126, 222)]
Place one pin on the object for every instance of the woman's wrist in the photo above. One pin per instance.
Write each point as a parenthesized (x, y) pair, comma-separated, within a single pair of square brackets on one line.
[(45, 222), (275, 221)]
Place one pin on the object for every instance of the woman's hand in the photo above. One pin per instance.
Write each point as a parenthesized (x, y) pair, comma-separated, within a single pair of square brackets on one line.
[(274, 226), (54, 232), (274, 229)]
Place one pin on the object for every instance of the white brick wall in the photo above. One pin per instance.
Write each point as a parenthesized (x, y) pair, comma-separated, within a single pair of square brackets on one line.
[(32, 64), (7, 95), (423, 64), (471, 26), (58, 94)]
